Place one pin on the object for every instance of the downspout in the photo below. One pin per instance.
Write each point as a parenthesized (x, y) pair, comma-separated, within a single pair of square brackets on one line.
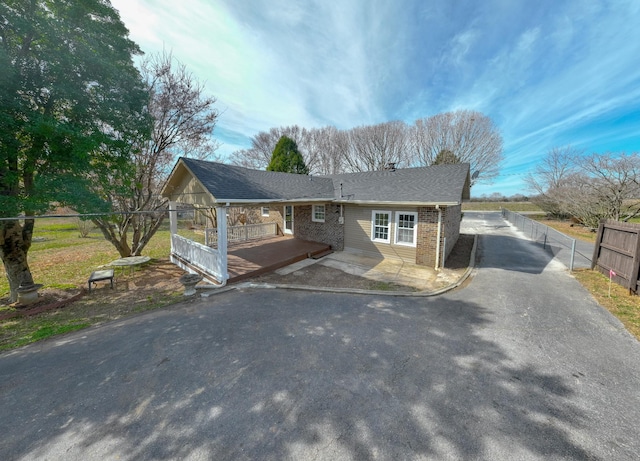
[(438, 234)]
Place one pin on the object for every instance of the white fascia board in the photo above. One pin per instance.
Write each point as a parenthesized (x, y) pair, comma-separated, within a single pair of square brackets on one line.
[(258, 202), (221, 201), (376, 203)]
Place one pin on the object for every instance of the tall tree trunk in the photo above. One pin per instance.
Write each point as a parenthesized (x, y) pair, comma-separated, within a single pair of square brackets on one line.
[(117, 239), (15, 241)]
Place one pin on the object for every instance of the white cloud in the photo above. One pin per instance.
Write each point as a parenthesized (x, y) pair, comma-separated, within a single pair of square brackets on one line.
[(542, 73)]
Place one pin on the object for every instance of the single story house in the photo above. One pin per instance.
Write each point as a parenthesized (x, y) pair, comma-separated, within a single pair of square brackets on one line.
[(412, 214)]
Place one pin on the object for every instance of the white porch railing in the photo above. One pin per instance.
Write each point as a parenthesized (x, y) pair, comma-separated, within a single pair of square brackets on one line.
[(198, 255), (241, 233)]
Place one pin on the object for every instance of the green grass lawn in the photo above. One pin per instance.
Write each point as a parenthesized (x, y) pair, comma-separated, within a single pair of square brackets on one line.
[(60, 258)]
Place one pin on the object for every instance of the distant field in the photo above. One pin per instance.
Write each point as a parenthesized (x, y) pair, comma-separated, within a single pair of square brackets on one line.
[(496, 206)]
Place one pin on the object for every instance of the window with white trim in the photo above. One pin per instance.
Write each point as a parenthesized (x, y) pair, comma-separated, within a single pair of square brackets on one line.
[(380, 227), (406, 228), (317, 213), (265, 211)]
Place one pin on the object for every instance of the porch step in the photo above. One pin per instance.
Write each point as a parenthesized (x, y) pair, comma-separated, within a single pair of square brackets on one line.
[(321, 254)]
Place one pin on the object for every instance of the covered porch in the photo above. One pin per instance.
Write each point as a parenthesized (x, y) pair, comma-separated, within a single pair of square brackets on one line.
[(234, 253)]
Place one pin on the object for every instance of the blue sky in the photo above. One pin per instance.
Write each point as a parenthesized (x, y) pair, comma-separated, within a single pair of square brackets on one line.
[(548, 72)]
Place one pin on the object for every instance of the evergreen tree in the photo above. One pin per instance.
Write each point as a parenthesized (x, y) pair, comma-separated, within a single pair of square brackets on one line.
[(445, 156), (287, 158)]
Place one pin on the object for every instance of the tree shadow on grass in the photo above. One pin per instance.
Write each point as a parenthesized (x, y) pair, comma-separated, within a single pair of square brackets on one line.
[(269, 375)]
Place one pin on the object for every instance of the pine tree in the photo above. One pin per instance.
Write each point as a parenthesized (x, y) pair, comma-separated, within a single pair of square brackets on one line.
[(445, 157), (287, 158)]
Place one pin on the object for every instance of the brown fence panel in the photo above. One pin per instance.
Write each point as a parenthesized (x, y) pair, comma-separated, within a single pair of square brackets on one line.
[(618, 249)]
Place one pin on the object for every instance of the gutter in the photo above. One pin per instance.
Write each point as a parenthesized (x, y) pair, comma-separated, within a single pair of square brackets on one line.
[(333, 200), (259, 201), (377, 202)]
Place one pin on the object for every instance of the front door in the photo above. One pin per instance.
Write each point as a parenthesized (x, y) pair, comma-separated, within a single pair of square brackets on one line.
[(288, 219)]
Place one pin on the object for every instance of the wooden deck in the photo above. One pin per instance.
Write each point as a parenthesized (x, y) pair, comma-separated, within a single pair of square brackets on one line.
[(255, 257)]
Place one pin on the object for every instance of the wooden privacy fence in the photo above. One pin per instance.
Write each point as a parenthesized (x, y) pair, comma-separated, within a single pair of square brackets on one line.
[(617, 253)]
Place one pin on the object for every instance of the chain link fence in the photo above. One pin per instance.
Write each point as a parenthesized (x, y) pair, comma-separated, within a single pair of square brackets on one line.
[(571, 252)]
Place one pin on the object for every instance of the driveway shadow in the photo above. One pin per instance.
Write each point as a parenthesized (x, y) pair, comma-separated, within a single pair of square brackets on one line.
[(259, 375), (512, 254)]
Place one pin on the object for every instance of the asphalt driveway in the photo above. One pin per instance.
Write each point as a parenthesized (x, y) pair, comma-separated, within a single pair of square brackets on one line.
[(519, 364)]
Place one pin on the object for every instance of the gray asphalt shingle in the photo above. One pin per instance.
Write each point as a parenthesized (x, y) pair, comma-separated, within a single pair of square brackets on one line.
[(434, 184)]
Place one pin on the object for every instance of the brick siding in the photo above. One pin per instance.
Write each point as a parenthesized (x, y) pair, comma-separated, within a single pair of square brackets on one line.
[(329, 232), (427, 243)]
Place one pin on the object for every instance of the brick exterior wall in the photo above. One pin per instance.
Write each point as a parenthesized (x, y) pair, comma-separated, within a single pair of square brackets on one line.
[(451, 226), (427, 243), (329, 232), (332, 233), (427, 236)]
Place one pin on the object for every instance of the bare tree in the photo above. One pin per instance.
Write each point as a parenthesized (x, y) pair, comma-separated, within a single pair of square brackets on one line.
[(550, 177), (183, 123), (588, 188), (557, 165), (471, 136), (616, 182), (374, 147), (324, 148)]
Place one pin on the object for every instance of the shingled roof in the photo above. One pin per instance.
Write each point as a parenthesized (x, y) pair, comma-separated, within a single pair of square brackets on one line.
[(441, 184), (230, 182)]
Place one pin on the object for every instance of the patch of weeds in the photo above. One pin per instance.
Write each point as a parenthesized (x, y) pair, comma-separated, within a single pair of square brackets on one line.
[(52, 330), (17, 333)]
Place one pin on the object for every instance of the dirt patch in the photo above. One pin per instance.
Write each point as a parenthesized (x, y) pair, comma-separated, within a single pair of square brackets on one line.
[(318, 275), (48, 299)]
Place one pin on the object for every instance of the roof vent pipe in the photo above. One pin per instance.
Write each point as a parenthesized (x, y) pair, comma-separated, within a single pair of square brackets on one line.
[(391, 166)]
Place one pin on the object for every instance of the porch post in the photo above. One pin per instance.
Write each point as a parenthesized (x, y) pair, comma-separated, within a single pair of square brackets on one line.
[(221, 213), (173, 220)]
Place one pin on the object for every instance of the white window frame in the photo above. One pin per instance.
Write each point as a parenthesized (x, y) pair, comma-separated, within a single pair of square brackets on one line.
[(266, 214), (397, 228), (373, 226), (313, 213)]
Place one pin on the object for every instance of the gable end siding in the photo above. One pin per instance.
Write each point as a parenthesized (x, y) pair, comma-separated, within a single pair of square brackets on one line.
[(191, 192)]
